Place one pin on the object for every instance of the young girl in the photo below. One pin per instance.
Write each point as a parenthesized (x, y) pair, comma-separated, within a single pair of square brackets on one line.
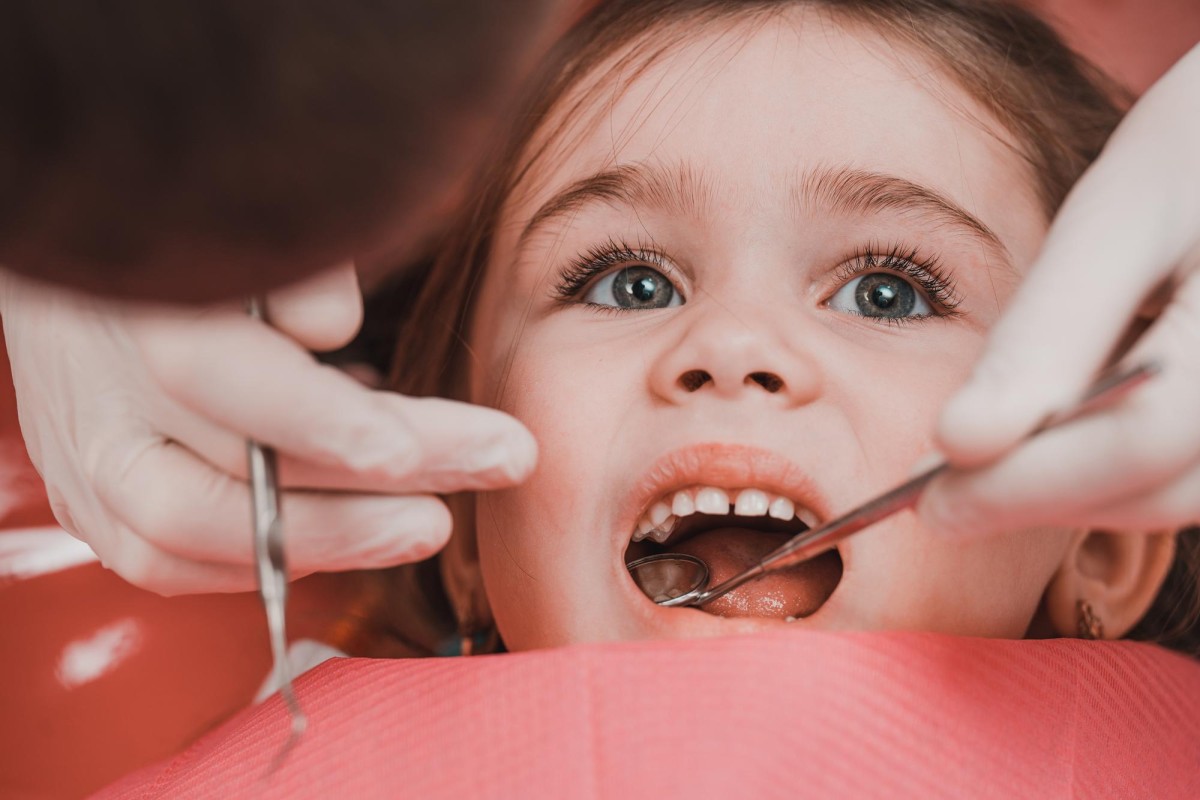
[(726, 270)]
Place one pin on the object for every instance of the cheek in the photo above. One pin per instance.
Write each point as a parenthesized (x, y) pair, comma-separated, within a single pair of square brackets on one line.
[(543, 545), (908, 578), (576, 401), (1006, 576), (892, 399), (562, 393), (523, 383)]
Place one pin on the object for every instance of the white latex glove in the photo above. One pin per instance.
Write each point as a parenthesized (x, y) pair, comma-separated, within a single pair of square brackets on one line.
[(137, 420), (1125, 244)]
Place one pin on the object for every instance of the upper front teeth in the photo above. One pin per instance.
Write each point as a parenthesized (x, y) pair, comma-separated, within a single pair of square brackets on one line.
[(751, 503), (783, 508), (710, 500), (660, 520)]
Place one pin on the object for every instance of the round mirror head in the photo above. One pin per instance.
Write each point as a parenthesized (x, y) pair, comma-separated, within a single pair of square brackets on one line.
[(670, 579)]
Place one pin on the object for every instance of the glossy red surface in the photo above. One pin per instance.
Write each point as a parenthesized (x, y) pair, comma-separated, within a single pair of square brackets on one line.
[(98, 677)]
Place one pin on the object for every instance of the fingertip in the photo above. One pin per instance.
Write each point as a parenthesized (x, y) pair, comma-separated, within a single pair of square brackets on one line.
[(970, 431), (323, 312), (523, 449), (334, 532), (926, 463), (418, 529), (943, 512), (930, 510), (426, 546), (507, 460), (467, 446)]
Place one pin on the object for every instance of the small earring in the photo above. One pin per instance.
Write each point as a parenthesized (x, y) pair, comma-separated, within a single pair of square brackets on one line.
[(468, 639), (1090, 624), (479, 642)]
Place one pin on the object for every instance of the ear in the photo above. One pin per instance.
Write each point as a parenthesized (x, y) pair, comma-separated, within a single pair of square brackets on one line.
[(461, 573), (1117, 574)]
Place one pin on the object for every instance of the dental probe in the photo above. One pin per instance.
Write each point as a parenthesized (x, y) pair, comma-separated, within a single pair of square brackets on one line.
[(271, 566), (812, 543)]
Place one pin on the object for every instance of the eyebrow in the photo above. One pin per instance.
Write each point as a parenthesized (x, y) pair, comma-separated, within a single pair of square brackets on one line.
[(854, 191), (685, 190)]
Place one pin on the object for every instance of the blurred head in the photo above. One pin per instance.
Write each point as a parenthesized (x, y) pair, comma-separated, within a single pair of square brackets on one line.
[(728, 273), (203, 150)]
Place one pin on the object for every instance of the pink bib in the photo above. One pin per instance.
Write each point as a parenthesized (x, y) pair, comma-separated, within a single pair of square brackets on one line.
[(785, 714)]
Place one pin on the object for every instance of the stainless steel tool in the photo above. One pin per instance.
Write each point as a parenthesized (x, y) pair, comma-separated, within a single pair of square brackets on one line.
[(271, 566)]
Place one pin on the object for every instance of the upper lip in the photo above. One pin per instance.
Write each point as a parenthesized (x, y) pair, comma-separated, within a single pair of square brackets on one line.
[(725, 466)]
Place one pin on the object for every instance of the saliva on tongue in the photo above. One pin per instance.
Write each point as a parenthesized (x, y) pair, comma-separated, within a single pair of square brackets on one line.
[(796, 591)]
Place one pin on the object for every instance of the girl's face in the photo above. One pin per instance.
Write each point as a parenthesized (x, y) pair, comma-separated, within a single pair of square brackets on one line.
[(742, 283)]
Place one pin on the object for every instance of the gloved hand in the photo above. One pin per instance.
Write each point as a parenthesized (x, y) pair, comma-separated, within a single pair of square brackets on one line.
[(1126, 244), (136, 419)]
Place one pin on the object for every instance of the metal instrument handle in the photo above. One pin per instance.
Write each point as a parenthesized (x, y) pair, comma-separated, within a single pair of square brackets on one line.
[(271, 566)]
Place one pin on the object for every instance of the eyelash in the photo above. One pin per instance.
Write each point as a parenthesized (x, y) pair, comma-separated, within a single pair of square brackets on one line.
[(598, 260), (925, 272)]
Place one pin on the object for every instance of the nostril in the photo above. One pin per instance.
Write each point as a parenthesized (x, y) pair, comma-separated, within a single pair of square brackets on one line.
[(767, 380), (693, 379)]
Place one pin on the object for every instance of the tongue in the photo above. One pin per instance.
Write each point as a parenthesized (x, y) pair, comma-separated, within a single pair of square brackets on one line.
[(793, 592)]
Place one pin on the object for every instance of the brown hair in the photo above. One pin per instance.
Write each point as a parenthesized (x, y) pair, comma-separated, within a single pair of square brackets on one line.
[(1059, 109)]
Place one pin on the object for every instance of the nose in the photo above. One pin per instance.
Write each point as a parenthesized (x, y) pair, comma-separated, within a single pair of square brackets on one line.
[(724, 356)]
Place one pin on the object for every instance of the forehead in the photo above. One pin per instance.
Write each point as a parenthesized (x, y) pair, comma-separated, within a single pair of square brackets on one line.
[(754, 103)]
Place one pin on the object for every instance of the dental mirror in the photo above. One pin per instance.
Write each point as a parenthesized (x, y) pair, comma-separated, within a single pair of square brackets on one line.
[(670, 579), (678, 579)]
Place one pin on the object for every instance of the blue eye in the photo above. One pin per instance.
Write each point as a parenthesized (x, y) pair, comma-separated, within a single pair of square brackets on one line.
[(634, 288), (882, 295)]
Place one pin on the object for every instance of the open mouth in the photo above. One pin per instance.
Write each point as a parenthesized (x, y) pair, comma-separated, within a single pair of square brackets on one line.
[(730, 530)]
